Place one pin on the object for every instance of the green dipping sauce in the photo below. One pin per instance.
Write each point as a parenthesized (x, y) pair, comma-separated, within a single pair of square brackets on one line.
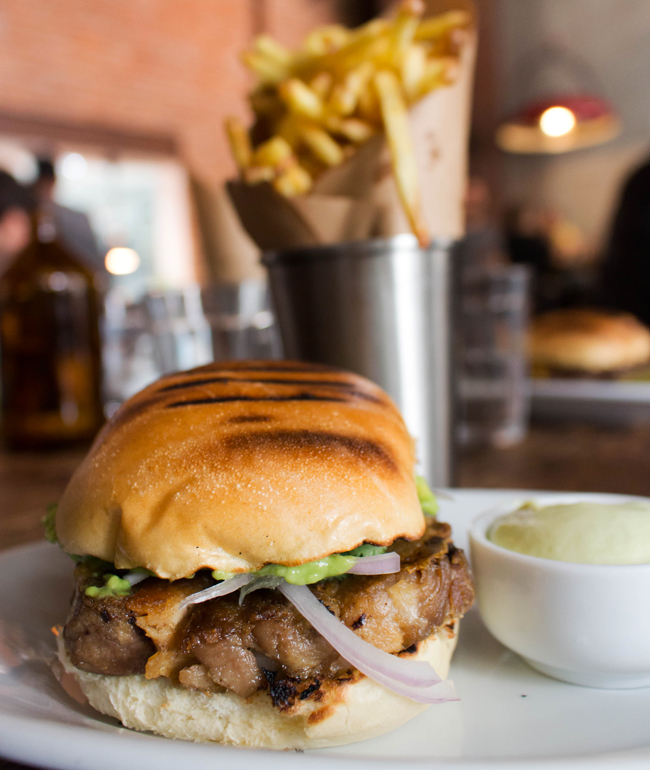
[(585, 533)]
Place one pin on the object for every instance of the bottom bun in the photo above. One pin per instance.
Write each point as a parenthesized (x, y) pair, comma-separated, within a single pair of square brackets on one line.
[(352, 711)]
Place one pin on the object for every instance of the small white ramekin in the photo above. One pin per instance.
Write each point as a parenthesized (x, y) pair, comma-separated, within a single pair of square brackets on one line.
[(581, 623)]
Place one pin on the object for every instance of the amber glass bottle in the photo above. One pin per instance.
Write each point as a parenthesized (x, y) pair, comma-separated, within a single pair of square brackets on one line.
[(50, 349)]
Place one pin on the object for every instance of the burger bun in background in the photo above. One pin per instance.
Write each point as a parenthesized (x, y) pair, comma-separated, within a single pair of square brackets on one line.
[(587, 342)]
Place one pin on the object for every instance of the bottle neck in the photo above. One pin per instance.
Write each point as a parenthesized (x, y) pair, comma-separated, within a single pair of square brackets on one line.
[(46, 247), (44, 225)]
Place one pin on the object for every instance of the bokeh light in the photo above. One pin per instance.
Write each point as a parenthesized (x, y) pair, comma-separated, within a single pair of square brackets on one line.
[(73, 166), (122, 261), (557, 121)]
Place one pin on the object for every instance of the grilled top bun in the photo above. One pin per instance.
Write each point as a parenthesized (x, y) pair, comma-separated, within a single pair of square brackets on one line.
[(235, 465), (593, 341)]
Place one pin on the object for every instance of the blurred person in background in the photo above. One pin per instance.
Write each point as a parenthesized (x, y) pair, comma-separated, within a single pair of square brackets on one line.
[(73, 227), (484, 243), (625, 283), (16, 206), (527, 244), (557, 253), (527, 238)]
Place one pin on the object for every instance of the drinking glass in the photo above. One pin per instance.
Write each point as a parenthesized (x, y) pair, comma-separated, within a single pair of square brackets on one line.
[(241, 321), (493, 393)]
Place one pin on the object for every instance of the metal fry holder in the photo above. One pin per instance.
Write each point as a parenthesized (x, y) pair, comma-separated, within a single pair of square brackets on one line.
[(381, 308)]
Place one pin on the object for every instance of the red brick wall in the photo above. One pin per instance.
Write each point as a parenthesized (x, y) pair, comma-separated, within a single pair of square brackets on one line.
[(290, 21), (165, 66)]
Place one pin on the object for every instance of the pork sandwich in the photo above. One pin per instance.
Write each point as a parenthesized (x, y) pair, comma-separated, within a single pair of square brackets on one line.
[(254, 562)]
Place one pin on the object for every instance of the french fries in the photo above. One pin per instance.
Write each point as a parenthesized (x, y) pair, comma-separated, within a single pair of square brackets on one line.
[(301, 99), (323, 146), (315, 105), (412, 68), (240, 143), (345, 95), (353, 129), (274, 152), (294, 181), (326, 39), (439, 26), (396, 124)]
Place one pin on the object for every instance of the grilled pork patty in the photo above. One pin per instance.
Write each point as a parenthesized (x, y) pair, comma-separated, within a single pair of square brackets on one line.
[(265, 643)]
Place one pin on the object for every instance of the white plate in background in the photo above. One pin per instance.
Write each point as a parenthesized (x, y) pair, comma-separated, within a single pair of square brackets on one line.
[(603, 402), (509, 716)]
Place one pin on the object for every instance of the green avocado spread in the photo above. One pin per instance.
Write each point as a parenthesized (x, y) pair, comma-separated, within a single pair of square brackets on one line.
[(313, 571), (48, 523), (114, 585), (428, 501)]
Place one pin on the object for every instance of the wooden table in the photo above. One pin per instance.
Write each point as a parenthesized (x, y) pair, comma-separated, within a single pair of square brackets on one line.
[(29, 482), (577, 458)]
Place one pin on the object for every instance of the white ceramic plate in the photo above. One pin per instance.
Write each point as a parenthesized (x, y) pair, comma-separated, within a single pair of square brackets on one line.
[(600, 401), (509, 716)]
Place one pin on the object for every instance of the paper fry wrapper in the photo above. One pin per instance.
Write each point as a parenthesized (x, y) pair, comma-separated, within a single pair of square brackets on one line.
[(358, 199)]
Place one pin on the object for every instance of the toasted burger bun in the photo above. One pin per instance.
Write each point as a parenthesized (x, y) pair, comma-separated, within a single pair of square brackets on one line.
[(351, 711), (588, 340), (240, 464)]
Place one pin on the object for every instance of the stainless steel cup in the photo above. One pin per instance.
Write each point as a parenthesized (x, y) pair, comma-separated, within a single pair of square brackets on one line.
[(381, 308)]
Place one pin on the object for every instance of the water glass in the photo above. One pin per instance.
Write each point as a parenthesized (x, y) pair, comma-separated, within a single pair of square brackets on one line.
[(180, 330), (492, 386), (177, 329), (241, 321), (129, 360)]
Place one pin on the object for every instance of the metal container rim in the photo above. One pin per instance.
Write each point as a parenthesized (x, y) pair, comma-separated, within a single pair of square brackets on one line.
[(374, 247)]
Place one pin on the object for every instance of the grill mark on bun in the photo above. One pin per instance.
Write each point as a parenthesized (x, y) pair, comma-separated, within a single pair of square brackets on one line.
[(409, 650), (192, 384), (365, 396), (285, 692), (348, 388), (131, 409), (257, 381), (250, 418), (271, 367), (345, 391), (259, 399), (288, 440)]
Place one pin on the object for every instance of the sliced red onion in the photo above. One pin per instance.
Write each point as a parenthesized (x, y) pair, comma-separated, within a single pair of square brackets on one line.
[(414, 679), (351, 646), (445, 692), (381, 564), (443, 495), (220, 589), (266, 581), (136, 576)]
